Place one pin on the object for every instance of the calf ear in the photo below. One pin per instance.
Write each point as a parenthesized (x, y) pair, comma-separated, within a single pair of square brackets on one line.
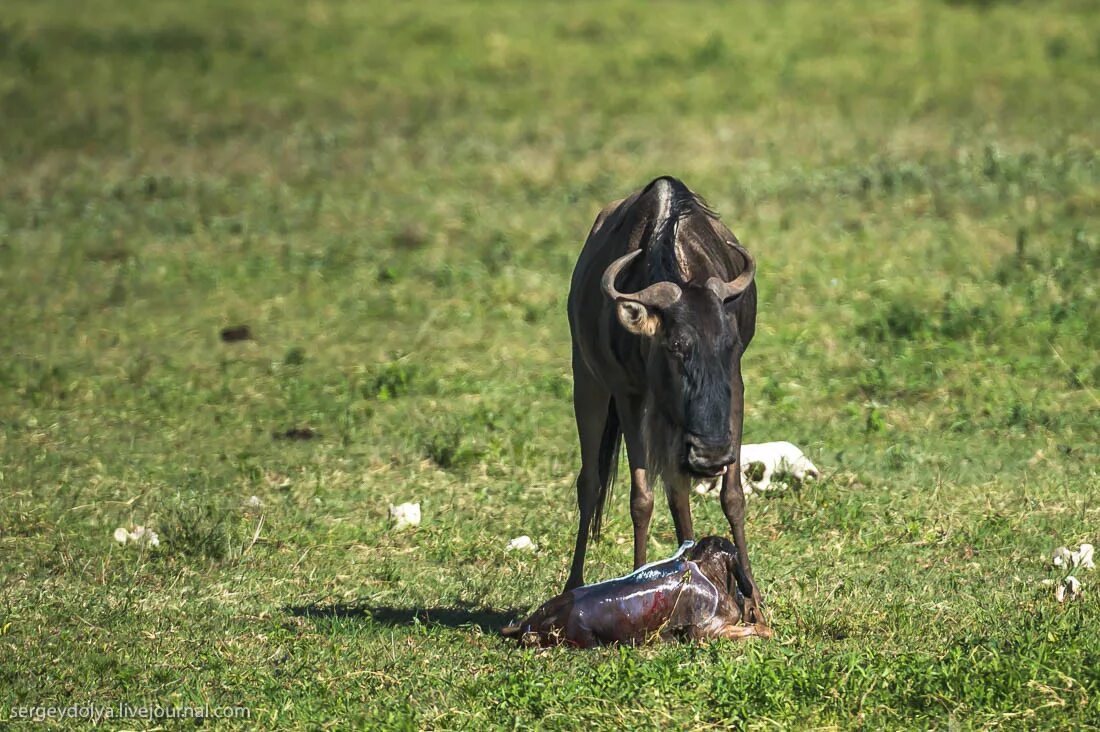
[(638, 318)]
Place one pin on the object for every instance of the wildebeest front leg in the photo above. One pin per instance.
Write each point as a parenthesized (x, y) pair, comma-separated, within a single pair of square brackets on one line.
[(733, 505), (641, 495), (641, 511), (679, 502), (590, 402)]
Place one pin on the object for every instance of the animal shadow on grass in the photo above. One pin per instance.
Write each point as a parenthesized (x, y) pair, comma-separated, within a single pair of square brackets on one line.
[(461, 615)]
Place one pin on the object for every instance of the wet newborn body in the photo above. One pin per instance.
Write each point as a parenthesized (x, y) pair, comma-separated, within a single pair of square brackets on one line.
[(695, 594)]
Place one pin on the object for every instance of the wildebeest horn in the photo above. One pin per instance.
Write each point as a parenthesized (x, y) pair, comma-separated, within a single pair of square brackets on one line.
[(727, 290), (659, 295)]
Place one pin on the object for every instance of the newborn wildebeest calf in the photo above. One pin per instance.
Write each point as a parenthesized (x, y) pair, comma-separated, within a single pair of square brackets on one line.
[(696, 594)]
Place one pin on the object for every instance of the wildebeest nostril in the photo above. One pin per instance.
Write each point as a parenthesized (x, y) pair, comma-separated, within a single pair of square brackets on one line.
[(708, 447), (709, 461)]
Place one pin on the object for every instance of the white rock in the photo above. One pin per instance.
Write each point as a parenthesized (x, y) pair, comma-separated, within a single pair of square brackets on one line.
[(522, 544), (707, 487), (139, 535), (777, 458), (1067, 589), (1083, 557), (405, 515)]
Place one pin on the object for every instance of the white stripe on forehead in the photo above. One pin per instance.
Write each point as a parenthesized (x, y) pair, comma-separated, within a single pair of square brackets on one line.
[(662, 221), (679, 254)]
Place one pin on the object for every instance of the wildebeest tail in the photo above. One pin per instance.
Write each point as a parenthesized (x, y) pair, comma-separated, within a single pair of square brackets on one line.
[(608, 463)]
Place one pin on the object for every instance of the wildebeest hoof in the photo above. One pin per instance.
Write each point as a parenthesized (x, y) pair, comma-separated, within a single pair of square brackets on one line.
[(753, 612)]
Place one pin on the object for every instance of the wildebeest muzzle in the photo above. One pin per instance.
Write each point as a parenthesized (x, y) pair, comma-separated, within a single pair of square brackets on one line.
[(707, 458)]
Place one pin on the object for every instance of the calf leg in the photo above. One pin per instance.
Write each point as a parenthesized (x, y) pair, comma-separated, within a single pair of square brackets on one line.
[(726, 623), (738, 632)]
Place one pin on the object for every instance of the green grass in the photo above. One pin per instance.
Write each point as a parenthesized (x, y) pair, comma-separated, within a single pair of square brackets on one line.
[(392, 199)]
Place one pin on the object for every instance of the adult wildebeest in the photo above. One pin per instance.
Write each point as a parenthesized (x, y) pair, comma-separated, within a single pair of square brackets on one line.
[(661, 306)]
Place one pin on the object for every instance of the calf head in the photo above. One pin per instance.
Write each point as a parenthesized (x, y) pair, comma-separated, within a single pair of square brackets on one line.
[(717, 558)]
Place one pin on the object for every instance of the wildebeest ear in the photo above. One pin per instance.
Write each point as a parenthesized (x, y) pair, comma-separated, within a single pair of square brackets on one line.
[(637, 318)]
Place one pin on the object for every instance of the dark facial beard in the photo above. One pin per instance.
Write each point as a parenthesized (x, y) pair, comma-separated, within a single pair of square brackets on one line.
[(664, 441)]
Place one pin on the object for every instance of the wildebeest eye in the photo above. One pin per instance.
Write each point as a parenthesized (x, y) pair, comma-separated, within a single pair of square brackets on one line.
[(679, 346)]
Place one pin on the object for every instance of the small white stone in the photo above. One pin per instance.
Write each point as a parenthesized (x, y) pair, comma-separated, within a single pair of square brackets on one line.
[(1060, 593), (1073, 586), (523, 544), (253, 502), (1083, 557), (776, 458), (766, 459), (707, 486), (405, 515), (1061, 556), (138, 535)]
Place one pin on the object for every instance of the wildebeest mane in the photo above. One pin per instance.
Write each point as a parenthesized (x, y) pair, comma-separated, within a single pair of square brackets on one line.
[(663, 440), (661, 231)]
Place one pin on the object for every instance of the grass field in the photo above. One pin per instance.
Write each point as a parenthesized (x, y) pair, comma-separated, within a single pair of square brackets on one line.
[(391, 197)]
